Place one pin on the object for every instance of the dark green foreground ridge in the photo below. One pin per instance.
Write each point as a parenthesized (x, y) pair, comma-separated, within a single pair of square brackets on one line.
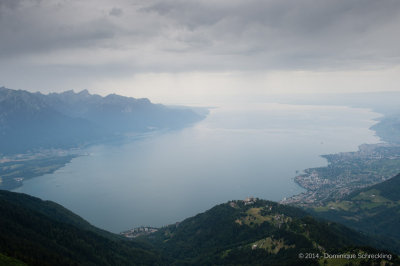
[(40, 232), (258, 232), (249, 232)]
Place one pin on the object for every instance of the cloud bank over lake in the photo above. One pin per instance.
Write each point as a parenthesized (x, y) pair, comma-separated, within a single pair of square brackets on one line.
[(154, 47)]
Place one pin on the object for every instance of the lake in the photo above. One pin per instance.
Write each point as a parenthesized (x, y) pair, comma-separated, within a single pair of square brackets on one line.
[(237, 151)]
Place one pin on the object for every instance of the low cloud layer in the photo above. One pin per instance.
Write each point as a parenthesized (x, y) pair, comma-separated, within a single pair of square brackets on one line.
[(99, 37)]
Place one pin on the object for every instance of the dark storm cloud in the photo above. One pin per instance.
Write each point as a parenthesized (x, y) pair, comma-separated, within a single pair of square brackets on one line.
[(306, 31), (32, 28), (302, 18), (177, 35), (9, 4)]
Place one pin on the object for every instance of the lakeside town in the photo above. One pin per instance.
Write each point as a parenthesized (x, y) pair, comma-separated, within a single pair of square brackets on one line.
[(346, 172)]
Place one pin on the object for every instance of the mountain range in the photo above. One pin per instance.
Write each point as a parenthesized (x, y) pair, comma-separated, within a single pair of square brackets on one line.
[(30, 121)]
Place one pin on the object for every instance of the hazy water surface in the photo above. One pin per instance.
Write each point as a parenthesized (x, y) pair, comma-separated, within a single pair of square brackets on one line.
[(236, 152)]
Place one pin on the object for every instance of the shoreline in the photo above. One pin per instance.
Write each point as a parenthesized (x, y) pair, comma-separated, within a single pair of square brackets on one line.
[(15, 170), (349, 171)]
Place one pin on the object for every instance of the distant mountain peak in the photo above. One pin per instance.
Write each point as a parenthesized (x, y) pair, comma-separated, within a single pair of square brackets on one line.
[(84, 92)]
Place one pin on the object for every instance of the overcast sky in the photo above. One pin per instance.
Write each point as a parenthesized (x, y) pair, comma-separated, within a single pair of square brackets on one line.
[(182, 51)]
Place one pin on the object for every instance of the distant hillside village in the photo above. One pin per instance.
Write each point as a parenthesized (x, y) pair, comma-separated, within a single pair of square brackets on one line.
[(139, 231)]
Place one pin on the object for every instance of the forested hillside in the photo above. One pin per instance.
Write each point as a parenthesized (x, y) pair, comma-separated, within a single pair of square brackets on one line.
[(43, 233), (256, 232), (248, 232)]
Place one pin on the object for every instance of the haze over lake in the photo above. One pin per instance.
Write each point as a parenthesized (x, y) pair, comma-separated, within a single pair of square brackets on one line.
[(237, 151)]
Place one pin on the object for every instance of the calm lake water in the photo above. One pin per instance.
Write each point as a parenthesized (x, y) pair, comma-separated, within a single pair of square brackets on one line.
[(235, 152)]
